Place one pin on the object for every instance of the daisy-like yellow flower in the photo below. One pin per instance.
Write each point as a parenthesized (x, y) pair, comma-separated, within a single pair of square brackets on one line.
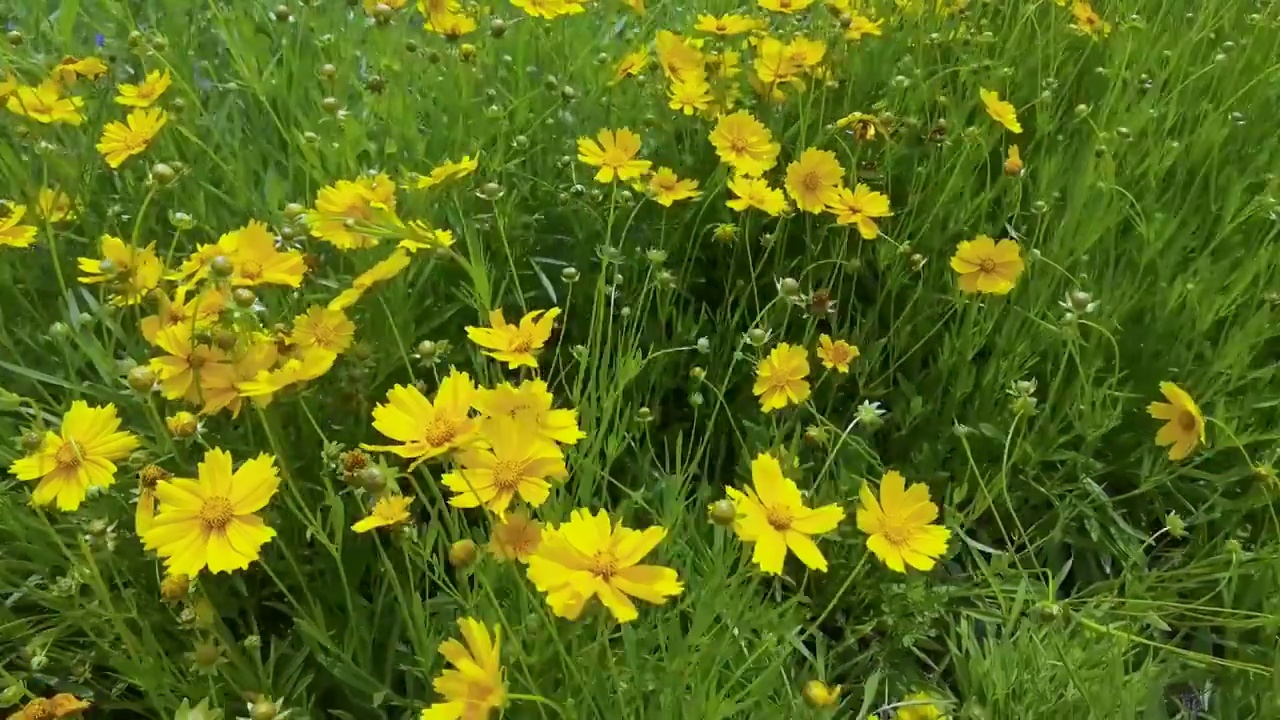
[(788, 7), (821, 695), (631, 65), (255, 353), (448, 170), (666, 188), (987, 266), (679, 57), (754, 192), (1013, 162), (1184, 426), (419, 235), (188, 369), (744, 144), (814, 180), (323, 328), (836, 355), (614, 152), (44, 103), (511, 462), (805, 53), (427, 429), (54, 205), (304, 365), (920, 706), (690, 95), (549, 9), (199, 312), (145, 93), (256, 260), (589, 557), (70, 68), (62, 705), (1001, 111), (728, 24), (130, 273), (515, 345), (346, 211), (212, 522), (776, 63), (122, 140), (475, 686), (81, 455), (389, 511), (780, 377), (773, 516), (13, 233), (516, 538), (899, 528), (1088, 21), (382, 271), (451, 25), (860, 207), (861, 26), (530, 405)]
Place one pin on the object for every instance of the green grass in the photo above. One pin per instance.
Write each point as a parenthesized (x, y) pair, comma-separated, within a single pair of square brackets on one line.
[(1067, 590)]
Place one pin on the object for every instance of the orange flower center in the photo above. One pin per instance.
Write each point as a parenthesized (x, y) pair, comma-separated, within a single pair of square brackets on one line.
[(778, 518), (738, 145), (812, 181), (251, 270), (604, 565), (323, 335), (38, 710), (521, 343), (216, 512), (69, 455), (987, 265), (897, 537), (507, 475), (440, 432), (1187, 420)]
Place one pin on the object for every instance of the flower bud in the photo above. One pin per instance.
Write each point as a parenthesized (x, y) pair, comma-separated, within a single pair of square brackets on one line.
[(141, 379), (723, 512), (497, 27), (282, 14), (32, 441), (570, 274), (757, 336), (182, 424), (221, 266), (244, 297), (163, 174), (463, 553), (175, 588)]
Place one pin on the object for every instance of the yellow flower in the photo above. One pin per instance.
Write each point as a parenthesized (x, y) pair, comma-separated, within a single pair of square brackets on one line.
[(631, 65), (516, 345), (744, 144), (12, 232), (389, 511), (805, 53), (679, 56), (257, 261), (986, 266), (780, 377), (516, 538), (448, 170), (54, 205), (1089, 21), (785, 6), (188, 369), (182, 424), (62, 705), (1013, 162), (475, 686), (131, 273), (145, 514), (80, 456), (549, 9), (530, 405), (1000, 110), (71, 67), (145, 93), (323, 328), (820, 695), (121, 141), (861, 125), (773, 516), (212, 522), (419, 235), (1184, 429), (511, 461), (382, 271), (666, 188), (256, 352), (199, 312), (836, 355), (920, 706), (860, 207), (424, 428), (615, 155), (861, 26), (814, 180), (754, 192), (588, 557), (689, 95), (729, 24), (451, 25), (636, 5), (307, 363), (775, 63), (44, 103), (8, 85), (900, 526), (347, 211)]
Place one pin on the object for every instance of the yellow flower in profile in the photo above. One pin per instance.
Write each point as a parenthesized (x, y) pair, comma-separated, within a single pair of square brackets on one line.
[(814, 180), (860, 207), (145, 93), (780, 377), (182, 424), (80, 456), (427, 429), (821, 695), (451, 25), (121, 141), (44, 103), (631, 65), (530, 405), (728, 24), (1001, 111), (212, 522), (255, 352), (199, 312), (448, 170), (773, 516), (900, 526), (70, 68), (145, 514), (679, 57), (920, 706), (744, 144), (861, 125), (515, 538), (549, 9), (614, 152), (987, 266), (754, 192), (130, 273), (690, 94), (510, 462), (1088, 21), (305, 364), (775, 63), (419, 235), (1184, 426), (836, 355), (1013, 162), (389, 511), (347, 212), (382, 271), (256, 260), (475, 686), (861, 26), (784, 6), (323, 328), (589, 557), (54, 205), (12, 232), (666, 188), (805, 53), (62, 705), (515, 345)]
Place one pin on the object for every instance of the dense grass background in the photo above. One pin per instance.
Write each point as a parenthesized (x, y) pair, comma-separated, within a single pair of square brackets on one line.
[(1069, 591)]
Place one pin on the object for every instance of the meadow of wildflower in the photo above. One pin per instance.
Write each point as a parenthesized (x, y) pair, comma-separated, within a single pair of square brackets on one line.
[(567, 359)]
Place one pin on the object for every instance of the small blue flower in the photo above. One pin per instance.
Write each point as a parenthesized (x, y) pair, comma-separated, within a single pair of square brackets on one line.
[(100, 40)]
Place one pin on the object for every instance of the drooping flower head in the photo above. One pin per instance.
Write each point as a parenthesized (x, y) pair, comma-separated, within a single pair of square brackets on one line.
[(348, 212), (81, 455), (772, 515), (389, 511), (899, 527), (1001, 111), (475, 686)]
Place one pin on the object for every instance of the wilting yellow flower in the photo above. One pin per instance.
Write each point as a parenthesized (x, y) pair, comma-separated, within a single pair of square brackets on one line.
[(836, 355), (861, 26), (347, 211), (510, 462), (689, 95), (631, 65), (549, 9), (62, 705), (424, 428), (199, 312), (986, 266), (212, 522), (515, 538), (920, 706), (475, 686), (389, 511), (900, 526), (861, 125), (12, 232), (780, 377), (70, 68), (44, 103), (145, 93), (785, 6), (1184, 429), (588, 557), (773, 516), (728, 24), (530, 405), (323, 328), (1013, 162), (744, 144), (448, 170), (679, 57), (666, 188), (1001, 111), (754, 192), (54, 205), (820, 695), (814, 180), (145, 514), (188, 369), (1089, 21), (615, 155), (382, 271), (860, 207), (121, 141), (130, 272), (515, 345), (256, 260), (81, 455)]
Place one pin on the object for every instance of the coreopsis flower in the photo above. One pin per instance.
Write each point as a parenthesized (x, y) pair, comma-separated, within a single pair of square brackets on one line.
[(80, 455), (389, 511), (744, 144), (62, 705), (1184, 426), (589, 557), (44, 103), (805, 53), (515, 345), (987, 266), (636, 5), (666, 188), (780, 377), (13, 233), (188, 369), (549, 9), (860, 207), (212, 521), (54, 205), (323, 328), (821, 695), (614, 152), (814, 180), (774, 65), (788, 7), (345, 210), (920, 706), (182, 424), (511, 461), (515, 538), (728, 24), (129, 272), (451, 25), (122, 140), (899, 528), (304, 365), (678, 56), (448, 170), (1088, 21), (70, 68), (255, 354), (861, 26), (475, 686), (755, 192), (382, 271), (1013, 162), (419, 235), (631, 65), (836, 355), (144, 515), (1001, 111), (861, 125), (427, 429), (255, 259), (772, 515), (530, 405), (145, 93), (690, 95), (199, 312)]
